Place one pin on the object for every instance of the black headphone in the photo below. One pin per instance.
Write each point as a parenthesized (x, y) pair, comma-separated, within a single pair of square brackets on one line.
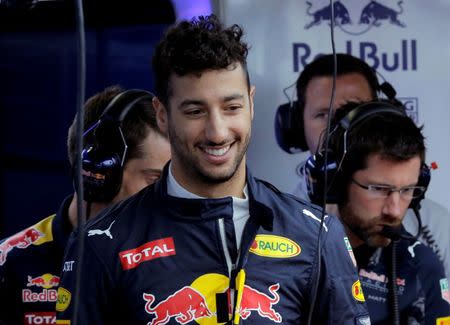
[(315, 168), (289, 131), (103, 160)]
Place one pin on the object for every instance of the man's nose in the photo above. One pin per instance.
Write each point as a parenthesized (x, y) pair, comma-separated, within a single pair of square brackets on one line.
[(394, 206)]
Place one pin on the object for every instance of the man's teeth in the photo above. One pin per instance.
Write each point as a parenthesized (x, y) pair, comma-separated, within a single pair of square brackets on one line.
[(217, 152)]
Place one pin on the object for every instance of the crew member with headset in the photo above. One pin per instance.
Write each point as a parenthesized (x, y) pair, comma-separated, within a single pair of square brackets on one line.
[(299, 125), (375, 170), (124, 152)]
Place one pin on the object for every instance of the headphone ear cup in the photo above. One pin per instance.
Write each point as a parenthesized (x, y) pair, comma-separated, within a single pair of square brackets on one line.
[(289, 132), (102, 175), (315, 171), (424, 180)]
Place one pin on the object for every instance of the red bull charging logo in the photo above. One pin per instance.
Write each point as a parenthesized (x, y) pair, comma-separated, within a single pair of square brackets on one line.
[(21, 240), (185, 305), (197, 302)]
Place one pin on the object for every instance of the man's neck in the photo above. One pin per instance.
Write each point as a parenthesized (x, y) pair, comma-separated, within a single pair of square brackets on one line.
[(233, 187), (95, 209)]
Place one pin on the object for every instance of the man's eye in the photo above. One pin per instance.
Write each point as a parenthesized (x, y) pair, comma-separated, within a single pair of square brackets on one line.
[(321, 116), (381, 189), (193, 112)]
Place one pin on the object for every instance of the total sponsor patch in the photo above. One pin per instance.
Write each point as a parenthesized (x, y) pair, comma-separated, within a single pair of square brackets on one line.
[(40, 318), (155, 249), (275, 246)]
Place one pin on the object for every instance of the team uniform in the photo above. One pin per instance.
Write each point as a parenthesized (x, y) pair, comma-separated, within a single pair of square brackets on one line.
[(30, 265), (160, 259), (435, 221), (422, 288)]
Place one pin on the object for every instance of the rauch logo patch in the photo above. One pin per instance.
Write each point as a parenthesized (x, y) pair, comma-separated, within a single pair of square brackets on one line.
[(275, 246)]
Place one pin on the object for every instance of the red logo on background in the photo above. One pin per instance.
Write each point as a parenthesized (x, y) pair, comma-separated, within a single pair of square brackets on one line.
[(149, 251), (21, 240), (185, 305), (40, 318)]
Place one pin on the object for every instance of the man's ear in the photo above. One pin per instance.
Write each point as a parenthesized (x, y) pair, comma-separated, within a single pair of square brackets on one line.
[(252, 99), (161, 115)]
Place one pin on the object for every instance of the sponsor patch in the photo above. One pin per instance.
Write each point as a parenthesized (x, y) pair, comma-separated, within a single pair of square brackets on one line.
[(35, 235), (357, 291), (155, 249), (443, 321), (63, 301), (46, 295), (46, 281), (274, 246), (362, 320), (63, 322), (68, 266), (40, 318), (445, 293), (350, 250)]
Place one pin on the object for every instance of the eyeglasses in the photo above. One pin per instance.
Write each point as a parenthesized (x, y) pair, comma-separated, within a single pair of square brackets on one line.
[(383, 191)]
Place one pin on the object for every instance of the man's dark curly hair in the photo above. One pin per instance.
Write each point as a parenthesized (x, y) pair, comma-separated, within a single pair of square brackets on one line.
[(191, 47)]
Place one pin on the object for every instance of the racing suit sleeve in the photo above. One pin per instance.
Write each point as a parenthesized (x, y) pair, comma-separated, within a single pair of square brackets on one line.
[(435, 285), (340, 299), (94, 290)]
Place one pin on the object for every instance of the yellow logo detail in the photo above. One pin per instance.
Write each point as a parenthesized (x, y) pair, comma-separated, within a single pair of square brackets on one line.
[(62, 322), (45, 227), (357, 291), (63, 300), (275, 246), (443, 321)]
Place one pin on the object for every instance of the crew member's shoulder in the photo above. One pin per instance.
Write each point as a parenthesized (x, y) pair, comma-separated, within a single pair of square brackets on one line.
[(120, 219), (420, 256), (293, 207)]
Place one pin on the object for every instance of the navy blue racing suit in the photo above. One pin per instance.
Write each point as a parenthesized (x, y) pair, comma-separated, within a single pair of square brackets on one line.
[(30, 265), (159, 259), (422, 287)]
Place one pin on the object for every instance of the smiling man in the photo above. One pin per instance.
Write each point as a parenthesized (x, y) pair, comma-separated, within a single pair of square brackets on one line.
[(376, 171), (209, 243)]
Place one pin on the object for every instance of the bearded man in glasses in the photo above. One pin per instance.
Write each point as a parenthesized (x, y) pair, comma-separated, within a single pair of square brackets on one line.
[(375, 171)]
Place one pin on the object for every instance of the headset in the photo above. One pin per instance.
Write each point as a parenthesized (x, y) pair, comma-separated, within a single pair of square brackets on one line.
[(103, 159), (315, 168), (289, 131)]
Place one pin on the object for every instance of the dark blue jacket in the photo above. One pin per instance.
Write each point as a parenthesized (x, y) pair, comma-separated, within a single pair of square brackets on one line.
[(158, 259), (422, 287), (30, 265)]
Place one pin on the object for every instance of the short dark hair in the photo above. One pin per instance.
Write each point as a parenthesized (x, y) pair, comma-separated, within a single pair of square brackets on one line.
[(138, 122), (393, 136), (323, 66), (191, 47)]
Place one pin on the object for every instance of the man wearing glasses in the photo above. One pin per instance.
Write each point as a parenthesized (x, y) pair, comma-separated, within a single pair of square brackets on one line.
[(375, 171)]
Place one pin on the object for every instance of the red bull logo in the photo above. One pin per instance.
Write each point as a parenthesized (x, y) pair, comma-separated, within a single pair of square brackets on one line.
[(21, 240), (46, 281), (198, 302), (355, 17), (185, 305), (256, 301)]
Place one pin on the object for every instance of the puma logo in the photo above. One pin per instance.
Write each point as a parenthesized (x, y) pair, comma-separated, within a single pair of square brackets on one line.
[(411, 249), (106, 232)]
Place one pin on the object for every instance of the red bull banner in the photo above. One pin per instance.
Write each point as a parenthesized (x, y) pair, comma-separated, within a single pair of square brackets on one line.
[(403, 40)]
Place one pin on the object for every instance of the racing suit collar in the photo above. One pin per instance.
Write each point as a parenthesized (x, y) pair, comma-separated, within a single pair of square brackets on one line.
[(207, 209)]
